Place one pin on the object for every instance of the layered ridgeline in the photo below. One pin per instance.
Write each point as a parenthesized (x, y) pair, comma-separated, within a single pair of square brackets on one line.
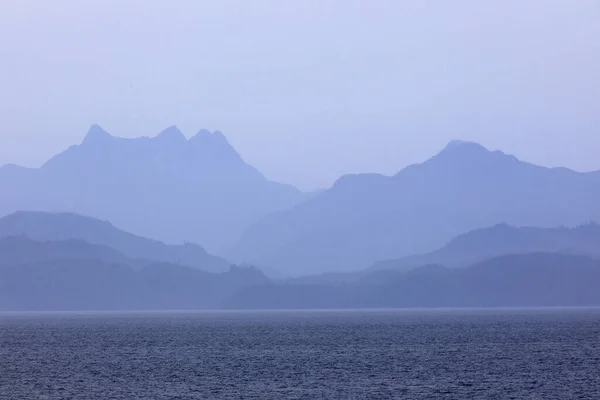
[(503, 239), (166, 187), (521, 280), (92, 238), (70, 262), (75, 275), (477, 246), (367, 218)]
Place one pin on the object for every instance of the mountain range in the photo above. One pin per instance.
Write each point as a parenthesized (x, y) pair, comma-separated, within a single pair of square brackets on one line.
[(200, 190), (71, 262), (166, 187), (467, 227), (367, 218)]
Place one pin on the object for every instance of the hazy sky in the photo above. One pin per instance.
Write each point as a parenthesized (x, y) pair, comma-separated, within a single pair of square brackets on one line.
[(306, 90)]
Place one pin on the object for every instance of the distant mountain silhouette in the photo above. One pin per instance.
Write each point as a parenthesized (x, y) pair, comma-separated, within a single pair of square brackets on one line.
[(166, 187), (76, 275), (503, 239), (366, 218), (523, 280), (41, 226)]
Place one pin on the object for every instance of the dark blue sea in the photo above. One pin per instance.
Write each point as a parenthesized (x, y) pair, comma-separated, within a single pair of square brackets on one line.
[(418, 354)]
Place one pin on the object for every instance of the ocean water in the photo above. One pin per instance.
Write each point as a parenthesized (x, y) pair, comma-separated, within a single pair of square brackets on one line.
[(444, 354)]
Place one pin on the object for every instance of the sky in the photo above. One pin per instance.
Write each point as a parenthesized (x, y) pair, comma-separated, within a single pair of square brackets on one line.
[(306, 90)]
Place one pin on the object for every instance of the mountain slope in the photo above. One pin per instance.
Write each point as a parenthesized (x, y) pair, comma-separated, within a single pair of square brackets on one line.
[(503, 239), (41, 226), (366, 218), (167, 187)]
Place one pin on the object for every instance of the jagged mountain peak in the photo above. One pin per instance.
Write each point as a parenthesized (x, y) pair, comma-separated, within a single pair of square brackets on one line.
[(462, 149), (172, 133), (465, 154), (221, 140), (458, 144), (204, 135), (219, 136), (96, 135), (206, 142)]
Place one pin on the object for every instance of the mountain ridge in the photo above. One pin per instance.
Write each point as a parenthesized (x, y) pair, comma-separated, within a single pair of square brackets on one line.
[(366, 218), (166, 187)]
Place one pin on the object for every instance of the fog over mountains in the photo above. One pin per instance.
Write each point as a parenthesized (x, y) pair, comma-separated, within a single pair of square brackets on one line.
[(166, 187), (75, 275), (524, 280), (70, 262), (160, 223), (65, 281), (69, 229), (367, 218), (501, 239)]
